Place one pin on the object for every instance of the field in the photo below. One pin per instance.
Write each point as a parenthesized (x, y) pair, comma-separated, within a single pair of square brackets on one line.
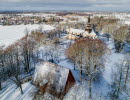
[(9, 34)]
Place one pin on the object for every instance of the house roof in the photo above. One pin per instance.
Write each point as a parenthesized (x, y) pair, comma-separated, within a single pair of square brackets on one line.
[(91, 34), (55, 75), (75, 30), (82, 32)]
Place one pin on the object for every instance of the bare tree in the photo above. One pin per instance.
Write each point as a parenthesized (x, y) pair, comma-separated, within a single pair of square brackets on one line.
[(52, 54), (13, 57), (119, 37), (75, 54), (100, 22), (94, 57), (12, 64), (2, 63), (109, 29), (27, 47), (127, 71), (120, 81), (88, 54)]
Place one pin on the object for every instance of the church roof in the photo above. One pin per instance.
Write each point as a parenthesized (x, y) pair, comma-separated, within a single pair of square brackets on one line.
[(92, 33), (55, 75), (83, 32), (75, 30)]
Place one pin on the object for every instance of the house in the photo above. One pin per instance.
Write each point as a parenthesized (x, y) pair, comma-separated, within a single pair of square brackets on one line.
[(53, 79), (87, 33)]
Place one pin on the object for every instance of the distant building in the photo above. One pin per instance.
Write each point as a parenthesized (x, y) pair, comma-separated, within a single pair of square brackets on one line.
[(77, 33), (53, 80)]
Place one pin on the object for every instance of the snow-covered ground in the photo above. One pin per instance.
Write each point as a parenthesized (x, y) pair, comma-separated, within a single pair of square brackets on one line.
[(100, 88), (112, 59), (11, 92), (127, 22), (9, 34)]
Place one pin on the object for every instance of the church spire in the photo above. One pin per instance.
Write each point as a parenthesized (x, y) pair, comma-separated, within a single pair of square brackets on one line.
[(88, 27), (89, 19)]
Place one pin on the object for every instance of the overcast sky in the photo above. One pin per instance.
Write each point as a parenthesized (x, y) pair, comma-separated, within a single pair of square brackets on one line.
[(65, 5)]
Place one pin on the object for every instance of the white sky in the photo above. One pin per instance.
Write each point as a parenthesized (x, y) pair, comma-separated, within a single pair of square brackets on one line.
[(65, 4)]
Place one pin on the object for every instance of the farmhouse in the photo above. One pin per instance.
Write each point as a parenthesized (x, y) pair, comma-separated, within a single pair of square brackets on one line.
[(87, 33), (53, 80)]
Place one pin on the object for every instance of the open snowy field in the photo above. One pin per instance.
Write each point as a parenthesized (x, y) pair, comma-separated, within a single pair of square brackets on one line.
[(9, 34)]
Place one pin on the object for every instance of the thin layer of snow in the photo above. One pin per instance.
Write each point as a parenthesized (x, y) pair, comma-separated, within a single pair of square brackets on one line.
[(112, 60), (55, 74), (81, 32), (100, 88), (89, 34), (42, 71), (9, 34), (78, 92), (47, 96), (127, 47), (127, 22), (75, 30), (66, 64), (11, 92)]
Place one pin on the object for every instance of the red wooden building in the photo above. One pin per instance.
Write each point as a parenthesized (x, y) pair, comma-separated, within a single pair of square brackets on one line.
[(53, 79)]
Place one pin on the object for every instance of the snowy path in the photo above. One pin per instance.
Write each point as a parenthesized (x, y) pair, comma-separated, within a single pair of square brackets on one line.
[(113, 58), (11, 92)]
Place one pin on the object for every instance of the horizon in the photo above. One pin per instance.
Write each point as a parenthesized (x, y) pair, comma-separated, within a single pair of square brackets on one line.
[(59, 5)]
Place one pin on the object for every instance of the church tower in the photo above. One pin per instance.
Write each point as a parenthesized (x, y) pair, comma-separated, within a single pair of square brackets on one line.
[(88, 27)]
